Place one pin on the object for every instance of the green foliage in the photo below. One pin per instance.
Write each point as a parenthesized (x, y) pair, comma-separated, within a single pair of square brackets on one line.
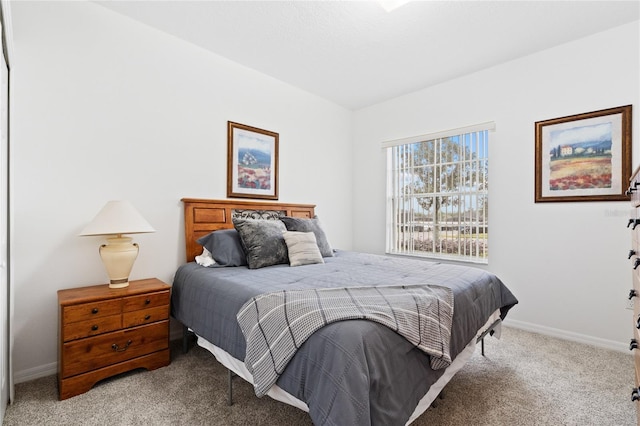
[(441, 168), (465, 247)]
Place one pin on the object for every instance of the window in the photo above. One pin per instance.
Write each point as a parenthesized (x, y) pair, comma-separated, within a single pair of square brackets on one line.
[(438, 195)]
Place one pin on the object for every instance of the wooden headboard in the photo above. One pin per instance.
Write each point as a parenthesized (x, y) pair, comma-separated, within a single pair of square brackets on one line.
[(204, 216)]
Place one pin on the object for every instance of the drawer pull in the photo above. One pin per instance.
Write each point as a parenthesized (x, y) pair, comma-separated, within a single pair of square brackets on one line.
[(147, 301), (632, 293), (94, 311), (633, 344), (121, 349), (638, 323), (147, 317), (635, 394), (94, 327), (636, 263), (631, 253)]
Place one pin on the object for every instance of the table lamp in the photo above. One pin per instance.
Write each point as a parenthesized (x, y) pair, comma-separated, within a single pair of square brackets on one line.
[(117, 218)]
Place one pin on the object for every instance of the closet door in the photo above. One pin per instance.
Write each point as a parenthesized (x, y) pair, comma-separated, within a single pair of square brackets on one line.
[(4, 211)]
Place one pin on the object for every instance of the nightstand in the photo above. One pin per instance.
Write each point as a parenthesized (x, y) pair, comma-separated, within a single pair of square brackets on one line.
[(105, 331)]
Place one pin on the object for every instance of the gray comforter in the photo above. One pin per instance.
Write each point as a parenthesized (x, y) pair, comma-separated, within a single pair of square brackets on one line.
[(275, 325), (354, 372)]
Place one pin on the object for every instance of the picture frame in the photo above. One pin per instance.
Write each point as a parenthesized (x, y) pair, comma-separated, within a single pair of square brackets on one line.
[(584, 157), (252, 162)]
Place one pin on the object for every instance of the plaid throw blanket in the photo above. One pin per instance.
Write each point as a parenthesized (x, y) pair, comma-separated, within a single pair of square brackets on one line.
[(276, 324)]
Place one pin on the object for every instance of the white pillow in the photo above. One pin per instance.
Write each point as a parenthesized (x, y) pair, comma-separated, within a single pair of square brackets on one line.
[(205, 259), (303, 248)]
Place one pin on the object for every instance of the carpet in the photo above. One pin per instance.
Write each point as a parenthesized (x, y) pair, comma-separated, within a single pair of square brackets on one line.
[(524, 379)]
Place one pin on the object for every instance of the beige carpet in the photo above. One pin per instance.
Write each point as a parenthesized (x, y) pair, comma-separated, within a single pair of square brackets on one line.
[(525, 379)]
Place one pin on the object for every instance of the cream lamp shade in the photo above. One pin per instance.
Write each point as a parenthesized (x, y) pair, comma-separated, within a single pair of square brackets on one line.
[(115, 219)]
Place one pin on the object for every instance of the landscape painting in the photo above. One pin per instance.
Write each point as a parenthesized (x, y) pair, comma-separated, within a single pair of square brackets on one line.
[(580, 158), (585, 157), (252, 163)]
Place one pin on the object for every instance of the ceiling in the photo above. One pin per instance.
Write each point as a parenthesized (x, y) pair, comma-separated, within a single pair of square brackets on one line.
[(356, 54)]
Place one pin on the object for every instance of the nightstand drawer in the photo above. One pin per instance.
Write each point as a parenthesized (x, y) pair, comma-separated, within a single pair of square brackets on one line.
[(107, 349), (151, 300), (145, 316), (92, 327), (86, 311)]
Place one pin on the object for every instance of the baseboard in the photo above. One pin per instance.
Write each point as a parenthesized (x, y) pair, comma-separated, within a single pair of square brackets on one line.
[(35, 372), (568, 335)]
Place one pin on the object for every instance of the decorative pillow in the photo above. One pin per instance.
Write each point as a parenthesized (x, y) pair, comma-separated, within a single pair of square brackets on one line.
[(225, 247), (205, 258), (310, 225), (262, 241), (302, 247)]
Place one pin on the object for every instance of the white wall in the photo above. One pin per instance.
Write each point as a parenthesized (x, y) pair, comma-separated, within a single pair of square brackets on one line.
[(106, 108), (566, 262)]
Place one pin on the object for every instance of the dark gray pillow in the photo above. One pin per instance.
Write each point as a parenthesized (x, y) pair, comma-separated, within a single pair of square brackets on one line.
[(262, 241), (310, 225), (225, 247)]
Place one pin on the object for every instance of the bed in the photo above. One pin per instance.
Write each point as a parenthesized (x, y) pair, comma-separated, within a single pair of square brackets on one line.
[(355, 371)]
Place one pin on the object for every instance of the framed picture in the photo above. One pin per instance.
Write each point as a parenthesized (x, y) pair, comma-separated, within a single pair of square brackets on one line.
[(584, 157), (252, 162)]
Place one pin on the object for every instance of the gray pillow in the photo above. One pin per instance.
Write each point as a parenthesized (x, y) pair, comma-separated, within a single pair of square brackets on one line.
[(262, 241), (310, 225), (302, 247), (225, 247)]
